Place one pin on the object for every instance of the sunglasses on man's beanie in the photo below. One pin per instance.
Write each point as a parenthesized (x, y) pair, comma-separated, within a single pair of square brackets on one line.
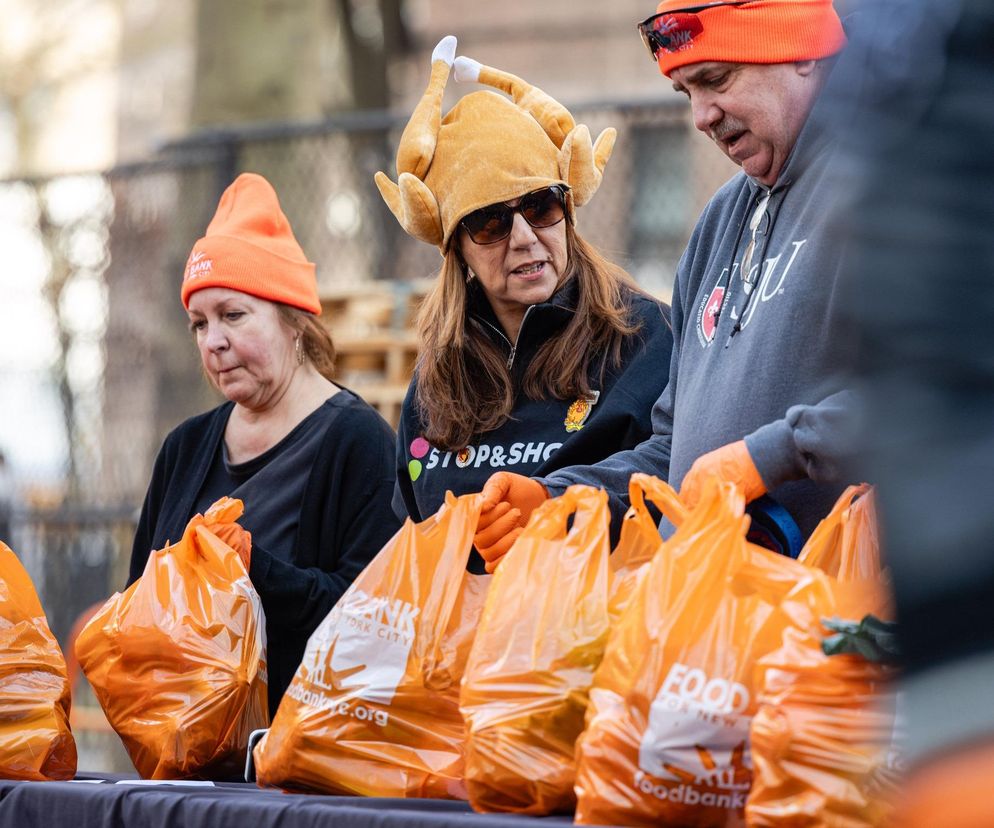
[(661, 32), (540, 208)]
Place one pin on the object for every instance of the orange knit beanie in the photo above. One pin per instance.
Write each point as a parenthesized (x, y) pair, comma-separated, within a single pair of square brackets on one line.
[(250, 247), (758, 31)]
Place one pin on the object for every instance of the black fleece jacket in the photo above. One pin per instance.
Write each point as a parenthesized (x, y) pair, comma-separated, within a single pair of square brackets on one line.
[(542, 435), (345, 518)]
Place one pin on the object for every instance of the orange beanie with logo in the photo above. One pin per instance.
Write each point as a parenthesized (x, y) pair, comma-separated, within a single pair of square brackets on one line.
[(250, 247), (758, 31)]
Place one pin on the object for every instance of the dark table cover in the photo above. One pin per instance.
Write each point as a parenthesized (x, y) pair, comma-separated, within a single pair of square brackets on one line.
[(104, 804)]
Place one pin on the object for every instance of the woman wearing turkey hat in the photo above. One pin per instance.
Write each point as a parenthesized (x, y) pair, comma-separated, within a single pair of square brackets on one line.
[(312, 463), (535, 351)]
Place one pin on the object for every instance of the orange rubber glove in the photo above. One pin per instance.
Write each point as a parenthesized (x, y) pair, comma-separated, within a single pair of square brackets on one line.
[(218, 518), (237, 538), (730, 464), (508, 501)]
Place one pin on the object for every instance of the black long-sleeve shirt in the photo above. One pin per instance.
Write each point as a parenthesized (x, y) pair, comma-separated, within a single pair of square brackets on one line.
[(344, 519)]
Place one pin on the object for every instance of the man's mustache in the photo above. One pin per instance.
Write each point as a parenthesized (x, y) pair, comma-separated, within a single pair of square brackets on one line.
[(727, 126)]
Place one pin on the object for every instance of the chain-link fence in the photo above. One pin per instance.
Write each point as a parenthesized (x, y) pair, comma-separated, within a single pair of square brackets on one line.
[(98, 365)]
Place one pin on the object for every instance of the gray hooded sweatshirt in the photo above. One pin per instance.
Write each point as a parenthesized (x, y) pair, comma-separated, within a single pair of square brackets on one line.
[(768, 367)]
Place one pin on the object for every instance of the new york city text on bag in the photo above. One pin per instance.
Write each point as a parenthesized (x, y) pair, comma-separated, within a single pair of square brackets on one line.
[(374, 706), (35, 741), (178, 660)]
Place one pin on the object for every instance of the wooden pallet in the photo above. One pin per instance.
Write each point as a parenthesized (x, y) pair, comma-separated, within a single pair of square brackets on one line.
[(372, 327), (378, 368), (380, 357)]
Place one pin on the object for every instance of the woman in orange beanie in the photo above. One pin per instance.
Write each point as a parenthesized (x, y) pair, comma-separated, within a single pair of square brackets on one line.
[(535, 351), (312, 462)]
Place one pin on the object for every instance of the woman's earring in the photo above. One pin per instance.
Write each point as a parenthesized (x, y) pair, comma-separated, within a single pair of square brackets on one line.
[(470, 275), (299, 348)]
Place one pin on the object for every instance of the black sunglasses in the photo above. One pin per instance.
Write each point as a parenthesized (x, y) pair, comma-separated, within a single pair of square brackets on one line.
[(658, 39), (493, 223)]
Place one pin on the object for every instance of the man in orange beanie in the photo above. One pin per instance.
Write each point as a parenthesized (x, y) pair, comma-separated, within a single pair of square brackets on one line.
[(755, 394)]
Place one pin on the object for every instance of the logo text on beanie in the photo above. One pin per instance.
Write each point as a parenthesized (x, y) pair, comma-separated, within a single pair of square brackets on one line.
[(198, 265), (675, 32)]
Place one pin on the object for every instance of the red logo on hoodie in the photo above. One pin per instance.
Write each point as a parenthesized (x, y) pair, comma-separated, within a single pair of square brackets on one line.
[(712, 310)]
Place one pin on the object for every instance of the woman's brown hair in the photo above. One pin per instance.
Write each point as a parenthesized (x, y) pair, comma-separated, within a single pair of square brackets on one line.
[(464, 386)]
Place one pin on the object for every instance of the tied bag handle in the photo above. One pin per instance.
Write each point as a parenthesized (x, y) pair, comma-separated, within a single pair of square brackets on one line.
[(660, 494), (828, 548), (640, 539), (633, 551), (588, 506), (443, 542), (846, 546), (16, 588), (204, 554), (860, 559), (221, 521)]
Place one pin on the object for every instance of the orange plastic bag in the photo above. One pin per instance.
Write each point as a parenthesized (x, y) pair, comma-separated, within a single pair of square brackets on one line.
[(526, 685), (35, 740), (846, 544), (668, 721), (542, 634), (824, 736), (640, 539), (177, 661), (374, 706)]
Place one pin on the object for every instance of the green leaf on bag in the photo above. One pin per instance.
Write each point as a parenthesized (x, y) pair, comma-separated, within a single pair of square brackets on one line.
[(873, 639)]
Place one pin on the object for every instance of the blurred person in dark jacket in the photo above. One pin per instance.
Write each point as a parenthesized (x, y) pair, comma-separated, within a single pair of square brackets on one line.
[(918, 163), (312, 462), (535, 351)]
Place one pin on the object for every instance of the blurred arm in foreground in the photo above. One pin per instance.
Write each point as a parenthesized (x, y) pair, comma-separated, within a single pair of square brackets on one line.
[(920, 167)]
